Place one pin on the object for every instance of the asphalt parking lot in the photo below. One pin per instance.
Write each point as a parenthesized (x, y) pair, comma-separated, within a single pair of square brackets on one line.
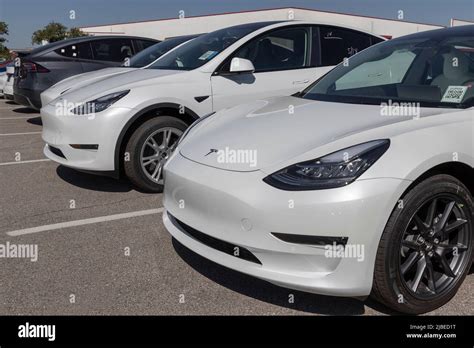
[(111, 254)]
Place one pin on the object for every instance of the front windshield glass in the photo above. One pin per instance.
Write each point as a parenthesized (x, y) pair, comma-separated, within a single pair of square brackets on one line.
[(152, 53), (203, 49), (436, 72)]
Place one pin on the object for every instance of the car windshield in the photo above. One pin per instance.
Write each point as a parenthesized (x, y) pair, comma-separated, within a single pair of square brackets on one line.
[(434, 71), (203, 49), (152, 53)]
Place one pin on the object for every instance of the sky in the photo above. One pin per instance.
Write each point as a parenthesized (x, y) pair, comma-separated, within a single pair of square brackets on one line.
[(25, 16)]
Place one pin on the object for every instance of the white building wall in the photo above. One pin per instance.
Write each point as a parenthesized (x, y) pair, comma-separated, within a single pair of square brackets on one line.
[(161, 29), (458, 22)]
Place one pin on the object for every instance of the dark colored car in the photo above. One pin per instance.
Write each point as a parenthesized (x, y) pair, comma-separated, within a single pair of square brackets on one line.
[(51, 63)]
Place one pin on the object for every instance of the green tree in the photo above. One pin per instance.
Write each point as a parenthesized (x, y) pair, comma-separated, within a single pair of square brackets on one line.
[(76, 32), (52, 32), (4, 52)]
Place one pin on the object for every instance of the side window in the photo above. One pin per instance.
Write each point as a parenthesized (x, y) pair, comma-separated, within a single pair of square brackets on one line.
[(375, 40), (79, 51), (336, 44), (140, 45), (113, 50), (279, 50)]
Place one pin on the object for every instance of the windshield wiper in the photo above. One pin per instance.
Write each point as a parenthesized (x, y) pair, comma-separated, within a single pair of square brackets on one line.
[(468, 103)]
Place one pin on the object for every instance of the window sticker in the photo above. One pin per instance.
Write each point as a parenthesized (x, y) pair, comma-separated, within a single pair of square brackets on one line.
[(454, 94), (208, 55)]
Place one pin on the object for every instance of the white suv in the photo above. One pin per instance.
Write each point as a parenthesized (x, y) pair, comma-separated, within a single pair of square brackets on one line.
[(129, 123)]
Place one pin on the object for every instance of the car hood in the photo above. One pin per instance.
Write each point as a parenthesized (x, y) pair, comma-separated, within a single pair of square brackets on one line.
[(118, 82), (80, 80), (264, 133), (75, 82)]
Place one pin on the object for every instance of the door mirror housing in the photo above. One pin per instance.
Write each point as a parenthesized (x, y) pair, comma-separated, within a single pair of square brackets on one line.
[(241, 65)]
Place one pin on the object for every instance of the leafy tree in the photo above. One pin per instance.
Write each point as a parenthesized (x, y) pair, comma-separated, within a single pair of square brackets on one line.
[(3, 31), (52, 32), (55, 32), (4, 52), (76, 32)]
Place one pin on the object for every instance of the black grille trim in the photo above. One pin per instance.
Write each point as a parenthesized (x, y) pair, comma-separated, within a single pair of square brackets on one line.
[(201, 99), (310, 240), (218, 244), (56, 151), (85, 146)]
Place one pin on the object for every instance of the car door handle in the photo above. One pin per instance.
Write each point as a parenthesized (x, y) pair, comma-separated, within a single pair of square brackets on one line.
[(302, 82)]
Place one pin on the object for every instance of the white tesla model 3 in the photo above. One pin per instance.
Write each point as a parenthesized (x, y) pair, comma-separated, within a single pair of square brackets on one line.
[(130, 122), (363, 183)]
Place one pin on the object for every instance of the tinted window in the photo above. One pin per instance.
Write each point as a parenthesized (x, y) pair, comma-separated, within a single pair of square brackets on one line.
[(203, 49), (337, 44), (114, 50), (140, 45), (279, 50), (152, 53), (81, 51), (44, 48)]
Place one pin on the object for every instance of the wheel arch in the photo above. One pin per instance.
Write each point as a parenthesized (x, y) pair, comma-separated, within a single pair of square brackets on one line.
[(461, 171), (156, 110)]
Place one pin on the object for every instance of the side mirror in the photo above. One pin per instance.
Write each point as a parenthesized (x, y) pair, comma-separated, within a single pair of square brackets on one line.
[(241, 65)]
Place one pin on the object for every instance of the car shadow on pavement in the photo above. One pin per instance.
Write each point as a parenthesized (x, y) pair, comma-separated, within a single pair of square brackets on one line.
[(35, 120), (267, 292), (25, 110), (92, 182)]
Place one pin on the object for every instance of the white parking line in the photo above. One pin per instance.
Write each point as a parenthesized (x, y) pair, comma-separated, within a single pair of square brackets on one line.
[(19, 133), (83, 222), (23, 162), (18, 118)]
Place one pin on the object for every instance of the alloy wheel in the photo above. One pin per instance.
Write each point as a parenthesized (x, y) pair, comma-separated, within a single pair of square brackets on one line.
[(434, 247), (156, 150)]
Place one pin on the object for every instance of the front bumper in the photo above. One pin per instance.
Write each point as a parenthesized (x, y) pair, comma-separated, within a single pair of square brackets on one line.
[(49, 95), (239, 208), (103, 129)]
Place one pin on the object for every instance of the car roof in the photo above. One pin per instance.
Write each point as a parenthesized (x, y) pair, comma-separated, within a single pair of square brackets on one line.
[(58, 44), (442, 34), (253, 26), (182, 37), (324, 23)]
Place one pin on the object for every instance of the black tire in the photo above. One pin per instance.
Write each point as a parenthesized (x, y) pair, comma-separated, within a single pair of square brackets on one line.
[(132, 164), (390, 286)]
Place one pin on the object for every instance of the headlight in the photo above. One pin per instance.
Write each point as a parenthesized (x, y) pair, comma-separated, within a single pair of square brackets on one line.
[(334, 170), (194, 124), (99, 104)]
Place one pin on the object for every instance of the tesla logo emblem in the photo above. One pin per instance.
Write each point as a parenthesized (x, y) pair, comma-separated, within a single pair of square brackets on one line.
[(211, 151)]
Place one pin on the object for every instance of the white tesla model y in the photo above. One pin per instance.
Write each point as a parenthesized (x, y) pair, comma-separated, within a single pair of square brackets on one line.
[(361, 184), (130, 122)]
